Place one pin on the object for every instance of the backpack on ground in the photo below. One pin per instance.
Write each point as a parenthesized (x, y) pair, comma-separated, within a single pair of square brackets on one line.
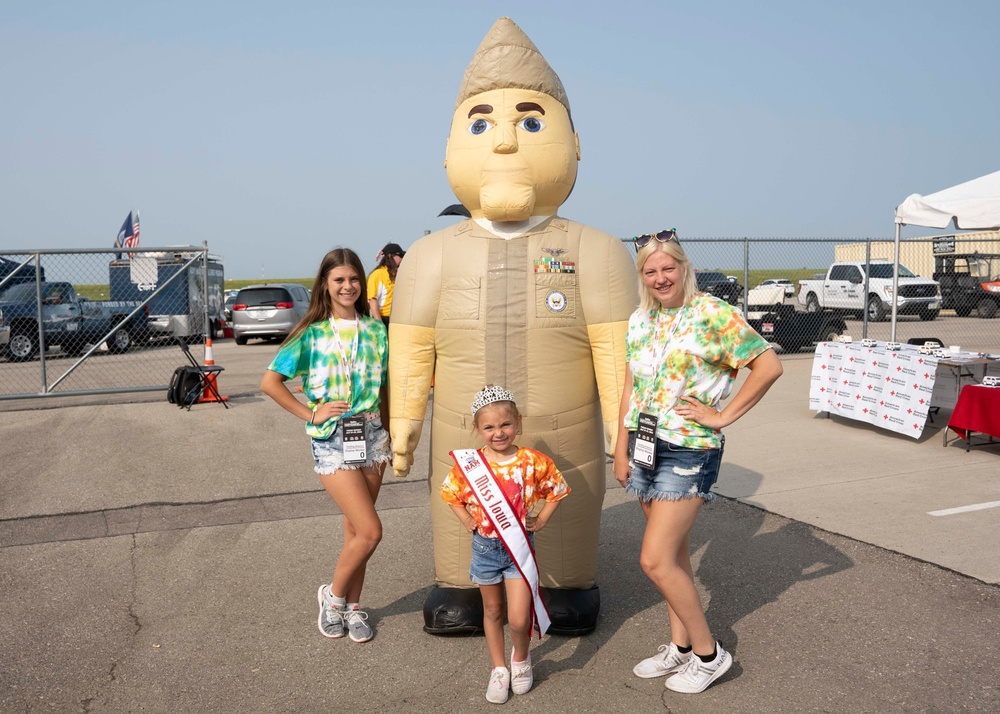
[(185, 386)]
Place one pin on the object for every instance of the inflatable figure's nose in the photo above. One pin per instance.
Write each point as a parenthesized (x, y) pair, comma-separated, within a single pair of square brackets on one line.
[(505, 139)]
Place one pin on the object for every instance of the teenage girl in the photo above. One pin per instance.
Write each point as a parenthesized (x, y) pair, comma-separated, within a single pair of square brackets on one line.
[(526, 477), (343, 355)]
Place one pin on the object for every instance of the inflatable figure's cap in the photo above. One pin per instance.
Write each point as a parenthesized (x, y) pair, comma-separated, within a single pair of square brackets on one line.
[(506, 58), (491, 394)]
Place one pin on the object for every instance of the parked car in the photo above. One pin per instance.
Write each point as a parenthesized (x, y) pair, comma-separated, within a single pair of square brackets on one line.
[(793, 330), (267, 311), (719, 285), (785, 283), (227, 309)]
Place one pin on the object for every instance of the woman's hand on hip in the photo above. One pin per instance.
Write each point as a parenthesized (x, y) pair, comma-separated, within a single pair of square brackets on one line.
[(693, 410)]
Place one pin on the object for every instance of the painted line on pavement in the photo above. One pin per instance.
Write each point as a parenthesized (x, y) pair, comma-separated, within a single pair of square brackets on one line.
[(964, 509)]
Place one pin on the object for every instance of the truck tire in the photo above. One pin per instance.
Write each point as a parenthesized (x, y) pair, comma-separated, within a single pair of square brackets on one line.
[(241, 340), (928, 314), (812, 304), (963, 310), (986, 309), (23, 345), (120, 341), (831, 331), (876, 313)]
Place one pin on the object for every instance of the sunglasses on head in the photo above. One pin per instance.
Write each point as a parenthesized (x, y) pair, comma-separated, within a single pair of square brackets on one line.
[(661, 237)]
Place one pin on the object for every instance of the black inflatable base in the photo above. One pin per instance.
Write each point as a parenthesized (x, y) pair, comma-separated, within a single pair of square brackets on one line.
[(459, 611), (573, 612)]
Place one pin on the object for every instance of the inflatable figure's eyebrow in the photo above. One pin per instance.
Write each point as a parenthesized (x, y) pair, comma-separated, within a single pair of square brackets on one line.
[(529, 107), (481, 109)]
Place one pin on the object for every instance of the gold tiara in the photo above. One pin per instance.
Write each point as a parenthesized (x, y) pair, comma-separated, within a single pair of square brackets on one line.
[(492, 393)]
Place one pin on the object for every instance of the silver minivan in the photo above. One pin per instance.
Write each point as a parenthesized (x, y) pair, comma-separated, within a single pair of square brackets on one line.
[(267, 311)]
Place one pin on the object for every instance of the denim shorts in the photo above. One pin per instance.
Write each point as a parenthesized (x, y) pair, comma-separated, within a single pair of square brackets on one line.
[(491, 563), (679, 473), (329, 453)]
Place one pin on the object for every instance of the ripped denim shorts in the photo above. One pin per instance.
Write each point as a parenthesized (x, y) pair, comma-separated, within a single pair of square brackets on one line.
[(679, 473), (329, 453)]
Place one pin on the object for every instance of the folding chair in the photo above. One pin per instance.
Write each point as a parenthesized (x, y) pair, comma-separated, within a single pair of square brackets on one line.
[(204, 370)]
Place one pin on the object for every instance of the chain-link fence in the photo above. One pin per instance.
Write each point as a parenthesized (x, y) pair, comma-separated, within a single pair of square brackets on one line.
[(100, 321), (83, 322), (949, 289)]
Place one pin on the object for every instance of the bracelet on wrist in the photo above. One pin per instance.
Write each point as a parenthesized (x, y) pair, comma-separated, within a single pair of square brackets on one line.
[(312, 417)]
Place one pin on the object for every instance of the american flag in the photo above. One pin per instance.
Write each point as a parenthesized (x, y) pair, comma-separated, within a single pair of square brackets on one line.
[(128, 236)]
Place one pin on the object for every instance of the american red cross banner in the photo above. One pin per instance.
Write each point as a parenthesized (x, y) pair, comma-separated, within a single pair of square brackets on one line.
[(888, 389)]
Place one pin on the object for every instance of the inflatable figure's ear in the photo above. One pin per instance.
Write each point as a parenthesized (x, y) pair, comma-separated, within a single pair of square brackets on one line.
[(576, 138)]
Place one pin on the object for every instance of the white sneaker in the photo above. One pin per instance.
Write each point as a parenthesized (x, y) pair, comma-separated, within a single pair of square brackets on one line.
[(357, 629), (697, 675), (521, 678), (498, 689), (331, 617), (668, 661)]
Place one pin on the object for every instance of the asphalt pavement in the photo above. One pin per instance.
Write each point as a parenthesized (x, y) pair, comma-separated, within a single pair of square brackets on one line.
[(154, 559)]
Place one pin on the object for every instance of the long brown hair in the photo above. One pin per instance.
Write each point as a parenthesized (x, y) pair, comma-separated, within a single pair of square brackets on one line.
[(389, 264), (320, 302)]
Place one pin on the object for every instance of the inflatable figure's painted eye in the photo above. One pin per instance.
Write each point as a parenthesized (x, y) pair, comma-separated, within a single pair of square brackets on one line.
[(532, 124), (480, 126)]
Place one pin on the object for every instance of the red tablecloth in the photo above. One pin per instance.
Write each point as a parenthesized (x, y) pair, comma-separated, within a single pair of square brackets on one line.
[(977, 410)]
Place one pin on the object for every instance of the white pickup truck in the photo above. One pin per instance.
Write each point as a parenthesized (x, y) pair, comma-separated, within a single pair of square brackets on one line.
[(843, 289)]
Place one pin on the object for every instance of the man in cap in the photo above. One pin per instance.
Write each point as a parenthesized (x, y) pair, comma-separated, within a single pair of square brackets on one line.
[(520, 297), (382, 280)]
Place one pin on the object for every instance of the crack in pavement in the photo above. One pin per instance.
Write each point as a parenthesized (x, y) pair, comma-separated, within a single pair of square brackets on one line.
[(153, 517)]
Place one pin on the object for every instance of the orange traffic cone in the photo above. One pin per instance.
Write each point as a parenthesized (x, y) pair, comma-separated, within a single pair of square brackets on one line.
[(208, 394)]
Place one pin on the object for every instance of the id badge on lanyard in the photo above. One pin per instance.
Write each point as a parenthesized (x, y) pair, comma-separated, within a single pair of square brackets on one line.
[(644, 449), (355, 447)]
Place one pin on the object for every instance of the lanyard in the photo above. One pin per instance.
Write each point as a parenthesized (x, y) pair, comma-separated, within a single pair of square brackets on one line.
[(660, 349), (347, 365)]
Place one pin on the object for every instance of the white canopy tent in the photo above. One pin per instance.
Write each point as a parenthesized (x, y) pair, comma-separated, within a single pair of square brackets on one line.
[(971, 205)]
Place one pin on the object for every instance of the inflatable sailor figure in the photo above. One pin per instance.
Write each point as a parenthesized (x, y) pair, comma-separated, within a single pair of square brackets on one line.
[(521, 297)]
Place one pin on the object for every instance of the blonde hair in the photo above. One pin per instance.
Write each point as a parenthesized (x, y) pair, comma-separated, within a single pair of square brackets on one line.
[(675, 251)]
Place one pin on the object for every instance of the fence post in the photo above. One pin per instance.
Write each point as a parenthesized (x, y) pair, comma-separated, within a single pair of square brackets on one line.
[(204, 297), (746, 272), (38, 319), (864, 303)]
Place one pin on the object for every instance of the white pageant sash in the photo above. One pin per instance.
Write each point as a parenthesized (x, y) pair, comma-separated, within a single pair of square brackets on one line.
[(508, 526)]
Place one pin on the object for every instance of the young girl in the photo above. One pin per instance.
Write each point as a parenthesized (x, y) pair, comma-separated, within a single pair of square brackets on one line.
[(343, 354), (525, 476)]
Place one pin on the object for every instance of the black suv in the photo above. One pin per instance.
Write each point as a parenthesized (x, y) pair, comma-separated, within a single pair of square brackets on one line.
[(969, 280), (720, 286)]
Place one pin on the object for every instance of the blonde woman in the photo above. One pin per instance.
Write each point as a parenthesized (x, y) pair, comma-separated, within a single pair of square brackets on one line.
[(683, 350)]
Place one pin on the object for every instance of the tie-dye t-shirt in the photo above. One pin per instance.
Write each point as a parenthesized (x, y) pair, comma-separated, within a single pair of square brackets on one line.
[(526, 478), (693, 350), (315, 354)]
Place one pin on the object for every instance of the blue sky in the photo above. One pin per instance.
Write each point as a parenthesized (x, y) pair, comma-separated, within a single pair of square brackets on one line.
[(276, 131)]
